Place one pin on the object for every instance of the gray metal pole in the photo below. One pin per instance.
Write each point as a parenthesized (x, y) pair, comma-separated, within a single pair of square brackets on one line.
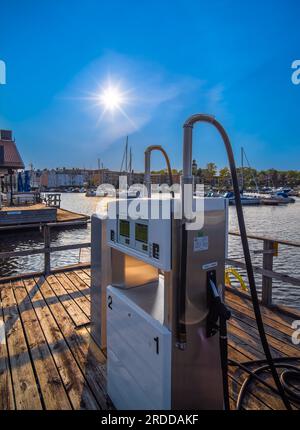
[(147, 177)]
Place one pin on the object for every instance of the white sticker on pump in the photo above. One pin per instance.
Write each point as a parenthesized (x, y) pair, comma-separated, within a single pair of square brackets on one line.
[(210, 266), (201, 243)]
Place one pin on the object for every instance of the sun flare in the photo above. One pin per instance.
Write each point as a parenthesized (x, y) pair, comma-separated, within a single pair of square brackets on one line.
[(111, 98)]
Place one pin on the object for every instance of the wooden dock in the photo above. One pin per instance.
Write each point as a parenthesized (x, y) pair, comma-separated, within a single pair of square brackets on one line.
[(48, 359), (33, 216)]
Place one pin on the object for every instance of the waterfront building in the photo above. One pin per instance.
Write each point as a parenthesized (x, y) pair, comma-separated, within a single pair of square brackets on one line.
[(10, 162), (64, 178)]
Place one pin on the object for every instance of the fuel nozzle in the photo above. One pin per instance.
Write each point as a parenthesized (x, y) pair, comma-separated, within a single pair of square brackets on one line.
[(217, 309), (217, 322)]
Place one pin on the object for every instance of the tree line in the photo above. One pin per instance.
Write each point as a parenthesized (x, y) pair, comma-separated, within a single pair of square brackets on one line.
[(250, 178)]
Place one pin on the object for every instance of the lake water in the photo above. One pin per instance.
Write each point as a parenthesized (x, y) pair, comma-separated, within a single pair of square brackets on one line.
[(278, 222)]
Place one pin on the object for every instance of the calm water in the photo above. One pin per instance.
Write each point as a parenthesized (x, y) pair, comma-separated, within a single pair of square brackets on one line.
[(277, 222), (281, 222)]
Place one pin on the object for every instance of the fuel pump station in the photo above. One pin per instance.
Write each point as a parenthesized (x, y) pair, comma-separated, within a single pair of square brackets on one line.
[(157, 295)]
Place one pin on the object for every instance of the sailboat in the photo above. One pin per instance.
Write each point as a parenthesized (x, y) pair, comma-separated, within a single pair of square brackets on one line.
[(245, 199), (126, 169)]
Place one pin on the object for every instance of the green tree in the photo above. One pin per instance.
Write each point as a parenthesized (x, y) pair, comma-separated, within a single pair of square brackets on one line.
[(224, 177), (210, 173)]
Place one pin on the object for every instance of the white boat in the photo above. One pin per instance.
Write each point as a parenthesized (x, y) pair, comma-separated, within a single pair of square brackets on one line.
[(287, 190), (246, 200), (282, 197), (277, 198)]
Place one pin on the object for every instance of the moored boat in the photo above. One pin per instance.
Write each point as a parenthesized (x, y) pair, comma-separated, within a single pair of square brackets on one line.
[(246, 200), (278, 198), (90, 193)]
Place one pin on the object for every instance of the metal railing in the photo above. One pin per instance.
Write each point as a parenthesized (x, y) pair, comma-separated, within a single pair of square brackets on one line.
[(47, 249), (52, 200), (269, 251)]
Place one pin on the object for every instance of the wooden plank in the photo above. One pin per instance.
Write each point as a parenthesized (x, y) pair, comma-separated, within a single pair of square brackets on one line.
[(80, 299), (64, 215), (84, 276), (87, 354), (284, 331), (24, 383), (52, 389), (250, 338), (286, 310), (93, 364), (79, 284), (87, 271), (7, 401), (72, 308), (285, 338), (244, 344), (74, 382), (245, 302), (28, 208)]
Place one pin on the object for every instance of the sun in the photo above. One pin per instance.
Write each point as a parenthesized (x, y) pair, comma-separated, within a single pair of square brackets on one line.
[(112, 98)]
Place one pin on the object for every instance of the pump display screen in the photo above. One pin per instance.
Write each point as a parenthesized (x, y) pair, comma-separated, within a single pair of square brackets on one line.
[(124, 228), (141, 233)]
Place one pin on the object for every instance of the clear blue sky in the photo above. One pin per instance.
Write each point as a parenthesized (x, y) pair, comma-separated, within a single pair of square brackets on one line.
[(228, 58)]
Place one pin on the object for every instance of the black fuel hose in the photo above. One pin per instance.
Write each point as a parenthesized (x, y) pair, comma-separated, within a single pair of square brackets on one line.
[(287, 377), (181, 294), (224, 361), (252, 284)]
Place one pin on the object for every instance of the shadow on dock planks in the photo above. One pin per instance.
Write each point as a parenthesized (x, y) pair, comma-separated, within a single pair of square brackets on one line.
[(48, 359)]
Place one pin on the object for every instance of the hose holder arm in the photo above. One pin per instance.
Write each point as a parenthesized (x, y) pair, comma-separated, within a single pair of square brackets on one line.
[(148, 152), (218, 312)]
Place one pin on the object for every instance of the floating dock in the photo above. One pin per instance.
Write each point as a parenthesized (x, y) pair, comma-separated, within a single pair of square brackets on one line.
[(32, 216), (48, 359)]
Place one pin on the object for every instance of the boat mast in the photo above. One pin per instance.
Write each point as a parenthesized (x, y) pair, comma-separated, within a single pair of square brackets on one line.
[(125, 157), (242, 175), (249, 165), (130, 166)]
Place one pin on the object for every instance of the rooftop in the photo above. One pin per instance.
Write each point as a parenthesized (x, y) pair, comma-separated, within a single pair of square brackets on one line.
[(10, 157)]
